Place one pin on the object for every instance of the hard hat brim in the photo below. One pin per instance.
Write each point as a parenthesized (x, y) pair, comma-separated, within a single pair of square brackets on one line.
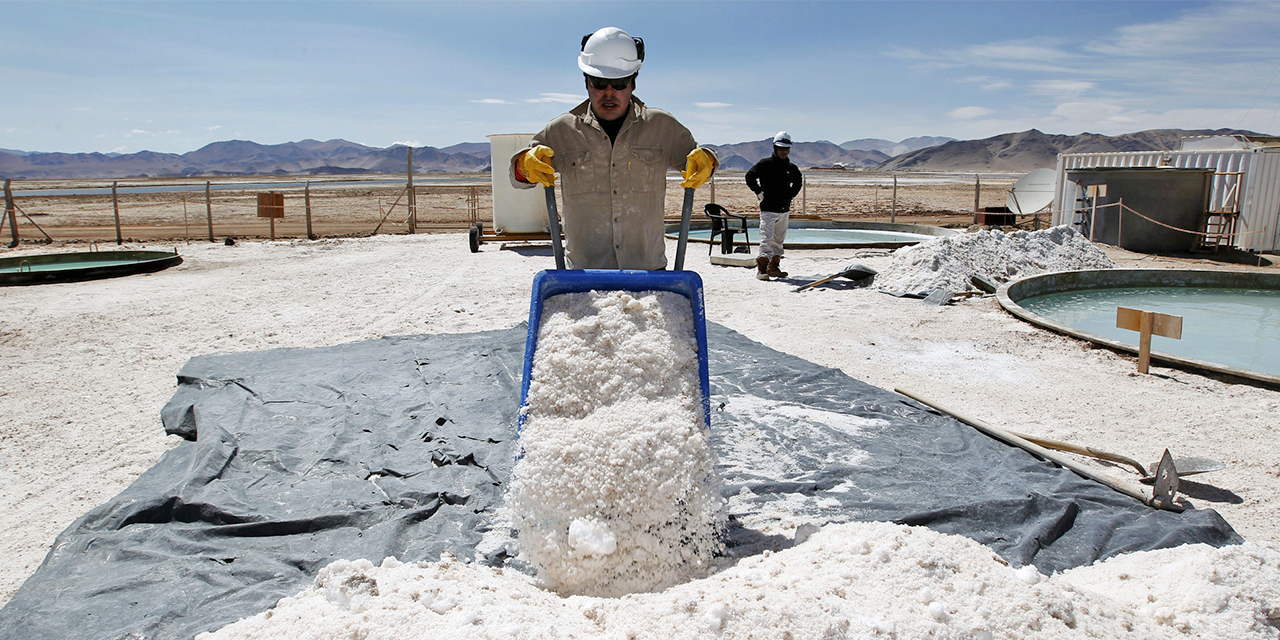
[(606, 71)]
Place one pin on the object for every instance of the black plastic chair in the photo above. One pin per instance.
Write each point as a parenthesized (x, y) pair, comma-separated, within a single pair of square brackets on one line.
[(721, 225)]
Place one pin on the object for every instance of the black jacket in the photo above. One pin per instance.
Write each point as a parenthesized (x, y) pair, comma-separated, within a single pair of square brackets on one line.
[(779, 180)]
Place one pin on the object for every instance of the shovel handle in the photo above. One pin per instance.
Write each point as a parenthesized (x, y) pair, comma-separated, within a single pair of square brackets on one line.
[(1084, 451), (553, 217), (685, 214)]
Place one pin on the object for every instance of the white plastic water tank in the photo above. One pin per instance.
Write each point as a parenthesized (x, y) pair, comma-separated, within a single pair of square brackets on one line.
[(514, 210)]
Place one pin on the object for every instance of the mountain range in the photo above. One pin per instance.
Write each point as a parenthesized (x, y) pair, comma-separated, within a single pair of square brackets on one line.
[(1014, 152)]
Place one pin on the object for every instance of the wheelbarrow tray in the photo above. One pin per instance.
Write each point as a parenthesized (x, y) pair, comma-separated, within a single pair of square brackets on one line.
[(552, 283)]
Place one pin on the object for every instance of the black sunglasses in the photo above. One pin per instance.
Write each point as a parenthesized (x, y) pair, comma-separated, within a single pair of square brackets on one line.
[(618, 84)]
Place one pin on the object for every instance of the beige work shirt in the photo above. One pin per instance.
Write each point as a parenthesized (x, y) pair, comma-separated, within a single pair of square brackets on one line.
[(613, 195)]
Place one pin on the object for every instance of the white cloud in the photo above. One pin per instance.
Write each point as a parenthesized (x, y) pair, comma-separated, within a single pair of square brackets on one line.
[(80, 108), (492, 101), (213, 128), (144, 132), (1061, 87), (407, 143), (1019, 55), (987, 83), (1218, 29), (564, 98), (969, 113), (1095, 112), (712, 105)]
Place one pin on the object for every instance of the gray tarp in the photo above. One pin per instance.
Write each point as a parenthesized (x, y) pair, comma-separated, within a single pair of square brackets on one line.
[(400, 447)]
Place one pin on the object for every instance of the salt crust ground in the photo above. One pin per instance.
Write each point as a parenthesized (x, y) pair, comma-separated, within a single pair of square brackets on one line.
[(85, 368), (616, 490), (857, 580)]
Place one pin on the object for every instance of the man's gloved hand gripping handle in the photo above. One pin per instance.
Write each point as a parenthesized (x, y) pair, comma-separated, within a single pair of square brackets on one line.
[(533, 166), (699, 166)]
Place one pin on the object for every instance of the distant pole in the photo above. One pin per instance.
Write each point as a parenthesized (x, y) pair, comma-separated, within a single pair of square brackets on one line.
[(1093, 216), (208, 209), (1120, 224), (115, 205), (306, 195), (11, 212), (977, 189), (893, 213), (804, 198), (713, 188), (186, 224), (413, 201)]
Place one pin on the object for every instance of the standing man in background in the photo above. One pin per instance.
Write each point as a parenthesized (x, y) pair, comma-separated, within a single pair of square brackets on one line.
[(775, 181), (612, 153)]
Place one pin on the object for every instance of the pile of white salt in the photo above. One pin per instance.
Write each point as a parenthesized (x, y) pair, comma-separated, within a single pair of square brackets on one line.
[(950, 261), (855, 580), (616, 489)]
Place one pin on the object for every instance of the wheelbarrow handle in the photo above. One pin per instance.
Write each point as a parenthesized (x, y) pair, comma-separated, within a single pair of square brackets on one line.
[(553, 217), (685, 214)]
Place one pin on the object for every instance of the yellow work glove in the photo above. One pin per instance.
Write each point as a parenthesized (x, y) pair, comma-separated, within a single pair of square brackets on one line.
[(701, 164), (533, 164)]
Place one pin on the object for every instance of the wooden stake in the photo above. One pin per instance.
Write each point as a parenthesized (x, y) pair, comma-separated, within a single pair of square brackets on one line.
[(115, 204), (413, 201), (11, 213), (1147, 323), (208, 209), (893, 213), (306, 194), (977, 191), (186, 225), (1120, 224)]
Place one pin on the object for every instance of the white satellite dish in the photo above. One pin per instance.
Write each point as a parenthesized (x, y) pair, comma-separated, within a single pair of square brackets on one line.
[(1032, 192)]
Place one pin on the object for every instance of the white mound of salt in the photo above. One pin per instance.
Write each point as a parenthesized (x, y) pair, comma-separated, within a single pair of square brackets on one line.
[(950, 261), (855, 580), (616, 491)]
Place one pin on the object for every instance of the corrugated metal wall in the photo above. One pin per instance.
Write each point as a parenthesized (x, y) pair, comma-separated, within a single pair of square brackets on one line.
[(1259, 201)]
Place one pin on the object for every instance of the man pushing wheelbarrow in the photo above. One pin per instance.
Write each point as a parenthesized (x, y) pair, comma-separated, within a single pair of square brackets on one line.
[(612, 153)]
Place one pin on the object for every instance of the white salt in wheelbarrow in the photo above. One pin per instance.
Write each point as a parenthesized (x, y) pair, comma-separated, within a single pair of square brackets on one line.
[(551, 283)]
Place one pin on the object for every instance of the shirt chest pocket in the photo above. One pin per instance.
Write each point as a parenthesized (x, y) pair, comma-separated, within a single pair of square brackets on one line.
[(577, 171), (646, 169)]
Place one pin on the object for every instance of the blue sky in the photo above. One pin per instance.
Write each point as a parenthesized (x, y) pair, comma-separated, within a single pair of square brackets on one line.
[(174, 76)]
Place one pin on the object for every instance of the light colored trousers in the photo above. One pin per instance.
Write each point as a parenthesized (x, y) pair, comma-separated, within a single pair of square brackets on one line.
[(773, 232)]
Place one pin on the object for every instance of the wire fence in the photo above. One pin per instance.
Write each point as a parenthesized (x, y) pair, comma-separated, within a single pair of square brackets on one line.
[(194, 210), (140, 211)]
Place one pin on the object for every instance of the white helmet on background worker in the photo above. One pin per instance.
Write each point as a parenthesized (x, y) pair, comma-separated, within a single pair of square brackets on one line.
[(611, 53), (782, 139)]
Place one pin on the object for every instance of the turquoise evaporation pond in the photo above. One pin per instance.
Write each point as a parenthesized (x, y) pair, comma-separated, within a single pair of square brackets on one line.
[(1235, 327), (62, 266), (802, 235)]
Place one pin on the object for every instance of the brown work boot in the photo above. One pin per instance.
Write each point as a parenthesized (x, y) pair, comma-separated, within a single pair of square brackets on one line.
[(772, 270), (762, 268)]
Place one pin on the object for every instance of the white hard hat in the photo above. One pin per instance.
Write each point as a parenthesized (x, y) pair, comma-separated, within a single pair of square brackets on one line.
[(611, 53), (782, 139)]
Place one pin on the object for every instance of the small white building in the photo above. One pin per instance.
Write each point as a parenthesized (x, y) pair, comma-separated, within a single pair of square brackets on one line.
[(1244, 204)]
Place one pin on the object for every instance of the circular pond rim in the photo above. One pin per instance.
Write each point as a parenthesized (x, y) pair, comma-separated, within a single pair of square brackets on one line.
[(125, 263), (673, 232), (1011, 292)]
